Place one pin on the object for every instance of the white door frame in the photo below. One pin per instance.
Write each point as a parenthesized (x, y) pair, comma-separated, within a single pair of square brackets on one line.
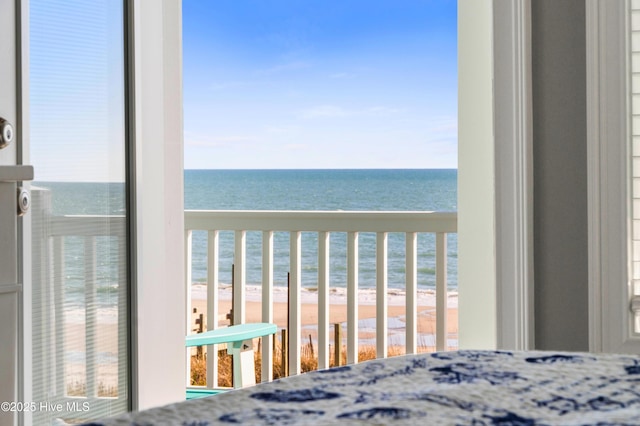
[(495, 184), (14, 108), (154, 57), (514, 174), (157, 176), (24, 229)]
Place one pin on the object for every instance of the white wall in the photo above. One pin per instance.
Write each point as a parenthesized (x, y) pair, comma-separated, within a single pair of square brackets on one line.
[(476, 177)]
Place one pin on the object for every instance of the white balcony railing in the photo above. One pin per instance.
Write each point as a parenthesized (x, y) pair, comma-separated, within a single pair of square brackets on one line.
[(71, 367), (90, 231), (324, 223)]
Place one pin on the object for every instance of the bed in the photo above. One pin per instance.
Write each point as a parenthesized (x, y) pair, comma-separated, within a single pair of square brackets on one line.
[(445, 388)]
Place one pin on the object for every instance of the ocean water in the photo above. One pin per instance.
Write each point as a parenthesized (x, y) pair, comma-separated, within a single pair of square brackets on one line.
[(376, 190), (83, 198)]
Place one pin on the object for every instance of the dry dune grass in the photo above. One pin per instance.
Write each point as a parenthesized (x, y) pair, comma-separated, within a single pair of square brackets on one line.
[(308, 362)]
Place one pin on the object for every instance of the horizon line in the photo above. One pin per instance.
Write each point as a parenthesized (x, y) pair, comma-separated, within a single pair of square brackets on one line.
[(326, 169)]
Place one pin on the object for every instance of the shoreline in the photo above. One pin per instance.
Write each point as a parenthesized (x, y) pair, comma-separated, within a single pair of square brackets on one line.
[(367, 313), (253, 293), (107, 327), (337, 295)]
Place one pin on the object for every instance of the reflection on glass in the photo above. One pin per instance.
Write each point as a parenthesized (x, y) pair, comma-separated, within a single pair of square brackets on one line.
[(79, 209), (635, 164)]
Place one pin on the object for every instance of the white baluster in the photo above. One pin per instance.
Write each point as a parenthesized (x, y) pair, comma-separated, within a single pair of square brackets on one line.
[(381, 295), (267, 303), (411, 271), (323, 300), (123, 313), (213, 278), (295, 258), (188, 239), (239, 290), (91, 328), (58, 306), (352, 298), (441, 291)]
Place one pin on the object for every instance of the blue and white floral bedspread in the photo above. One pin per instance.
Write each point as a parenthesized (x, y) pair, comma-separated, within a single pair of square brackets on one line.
[(446, 388)]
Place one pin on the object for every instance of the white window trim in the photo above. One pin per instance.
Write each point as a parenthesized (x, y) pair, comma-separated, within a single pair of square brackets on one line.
[(610, 325), (495, 183), (514, 174)]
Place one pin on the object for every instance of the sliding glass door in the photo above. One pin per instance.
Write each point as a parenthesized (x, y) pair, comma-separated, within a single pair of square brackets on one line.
[(79, 211)]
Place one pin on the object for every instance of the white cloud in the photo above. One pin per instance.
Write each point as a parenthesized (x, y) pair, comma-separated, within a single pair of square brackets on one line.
[(231, 85), (287, 66), (342, 75), (381, 110), (334, 111), (325, 111), (444, 126), (281, 129), (296, 147)]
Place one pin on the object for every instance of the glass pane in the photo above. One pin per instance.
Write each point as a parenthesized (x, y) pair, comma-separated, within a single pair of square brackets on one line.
[(635, 150), (79, 208)]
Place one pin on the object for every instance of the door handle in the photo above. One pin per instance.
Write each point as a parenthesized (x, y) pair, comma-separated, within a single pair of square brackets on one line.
[(24, 201), (7, 133), (20, 173)]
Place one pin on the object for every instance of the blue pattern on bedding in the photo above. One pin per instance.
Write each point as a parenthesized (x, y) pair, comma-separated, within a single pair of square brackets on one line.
[(552, 359), (381, 413), (633, 369), (298, 395), (479, 388), (459, 373), (275, 416)]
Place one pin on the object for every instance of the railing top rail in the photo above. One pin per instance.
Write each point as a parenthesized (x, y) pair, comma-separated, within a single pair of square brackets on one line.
[(273, 220), (88, 225), (314, 221)]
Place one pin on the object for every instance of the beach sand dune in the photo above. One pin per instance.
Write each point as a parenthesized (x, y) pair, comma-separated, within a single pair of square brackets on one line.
[(107, 332), (338, 315)]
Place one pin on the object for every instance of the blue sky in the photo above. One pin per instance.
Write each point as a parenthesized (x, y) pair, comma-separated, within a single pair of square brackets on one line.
[(320, 84), (77, 90)]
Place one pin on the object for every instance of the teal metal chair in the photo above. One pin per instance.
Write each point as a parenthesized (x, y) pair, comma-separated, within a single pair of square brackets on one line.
[(239, 341)]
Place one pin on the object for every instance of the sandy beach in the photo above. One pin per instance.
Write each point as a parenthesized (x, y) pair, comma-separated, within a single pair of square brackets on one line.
[(107, 343), (338, 315)]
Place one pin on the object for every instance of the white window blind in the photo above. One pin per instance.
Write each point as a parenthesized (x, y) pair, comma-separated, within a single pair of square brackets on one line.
[(635, 152), (80, 256)]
